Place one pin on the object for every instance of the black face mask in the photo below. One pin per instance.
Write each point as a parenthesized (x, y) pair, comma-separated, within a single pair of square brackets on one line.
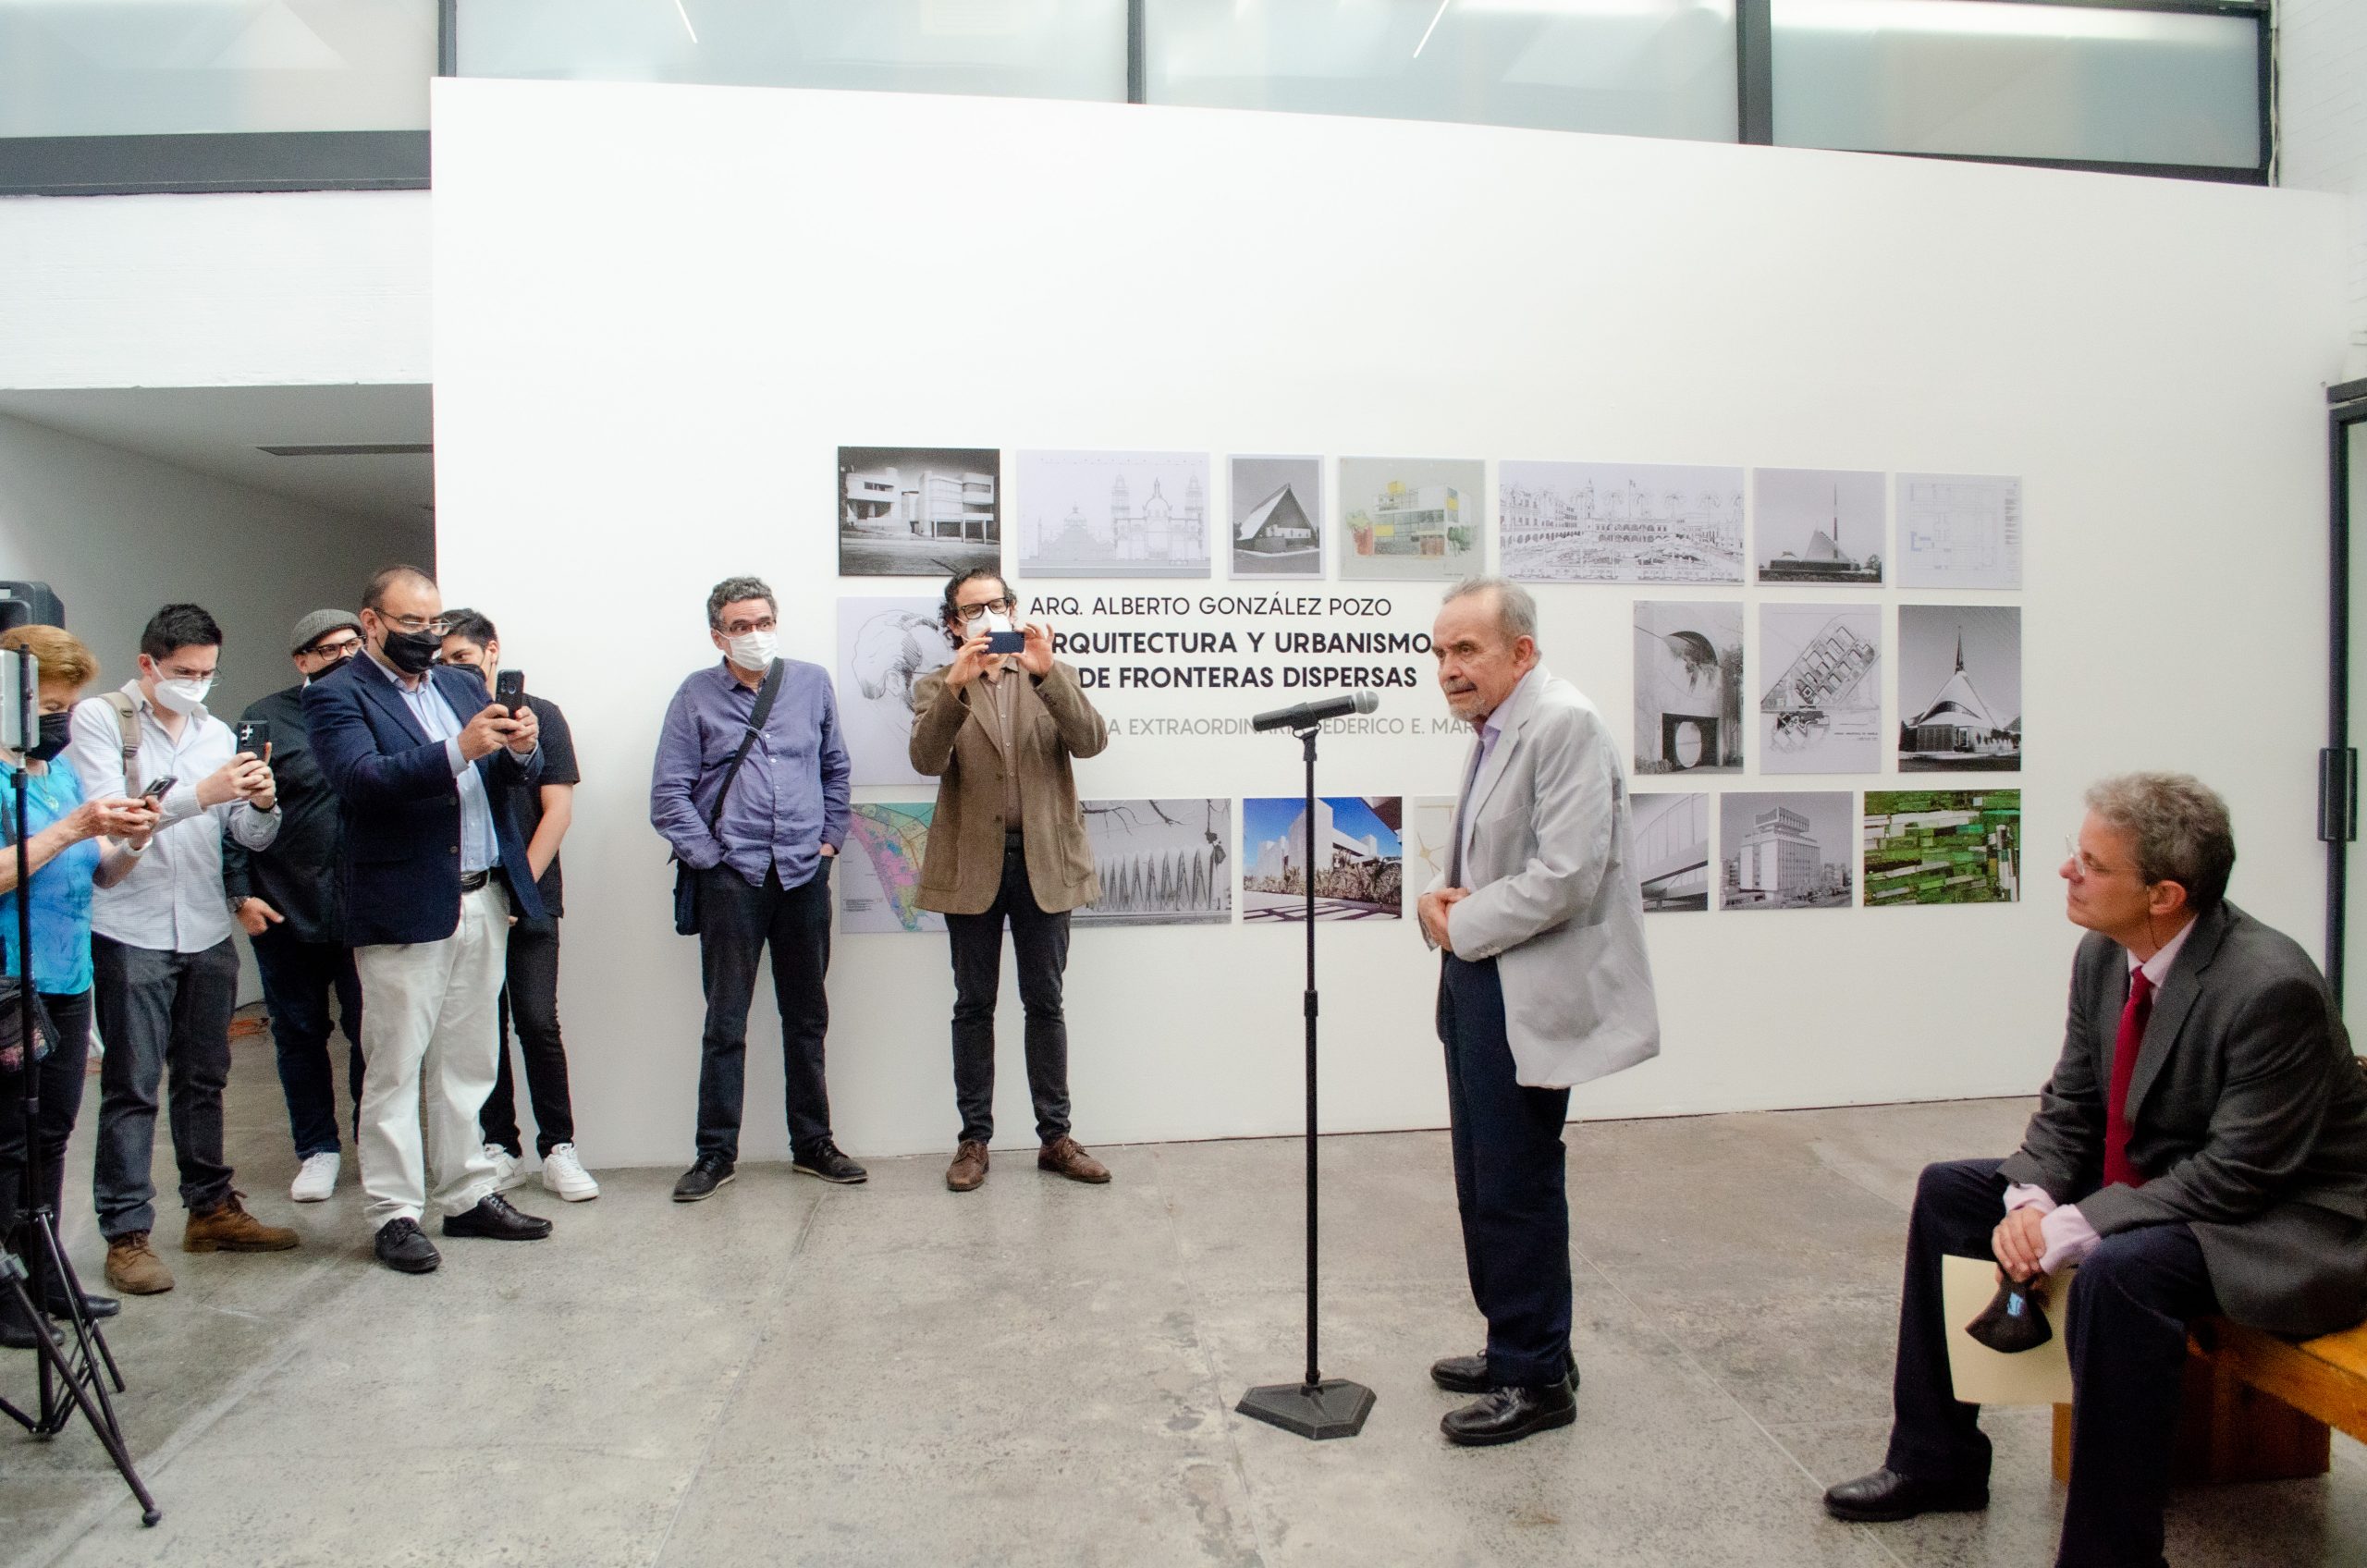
[(55, 730), (413, 653)]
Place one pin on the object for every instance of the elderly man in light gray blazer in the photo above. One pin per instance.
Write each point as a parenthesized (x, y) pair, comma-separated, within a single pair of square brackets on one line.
[(1544, 983), (2202, 1148)]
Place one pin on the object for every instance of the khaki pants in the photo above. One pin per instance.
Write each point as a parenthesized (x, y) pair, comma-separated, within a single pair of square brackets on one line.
[(430, 1042)]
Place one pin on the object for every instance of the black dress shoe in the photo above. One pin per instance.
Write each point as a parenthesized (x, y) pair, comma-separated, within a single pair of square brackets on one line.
[(93, 1307), (405, 1248), (1507, 1415), (1886, 1495), (1468, 1375), (710, 1171), (823, 1159), (494, 1219)]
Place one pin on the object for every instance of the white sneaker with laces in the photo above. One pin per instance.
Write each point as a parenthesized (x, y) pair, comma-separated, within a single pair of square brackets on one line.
[(316, 1178), (563, 1173), (507, 1172)]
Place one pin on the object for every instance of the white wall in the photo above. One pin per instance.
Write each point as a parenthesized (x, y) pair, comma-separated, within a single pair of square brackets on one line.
[(658, 310), (2322, 127)]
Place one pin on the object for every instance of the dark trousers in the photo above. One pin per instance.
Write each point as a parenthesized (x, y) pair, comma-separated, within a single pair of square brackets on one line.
[(300, 979), (736, 924), (530, 998), (160, 1012), (61, 1102), (2126, 1336), (1041, 944), (1509, 1182)]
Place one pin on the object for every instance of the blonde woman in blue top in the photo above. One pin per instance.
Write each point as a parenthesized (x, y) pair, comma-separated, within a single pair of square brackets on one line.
[(70, 844)]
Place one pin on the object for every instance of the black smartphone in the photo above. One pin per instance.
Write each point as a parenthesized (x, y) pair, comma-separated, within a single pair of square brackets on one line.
[(254, 736), (1006, 641), (156, 788), (510, 691)]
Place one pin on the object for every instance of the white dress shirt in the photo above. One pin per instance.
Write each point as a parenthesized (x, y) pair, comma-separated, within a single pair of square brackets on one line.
[(172, 902), (479, 846), (2069, 1236)]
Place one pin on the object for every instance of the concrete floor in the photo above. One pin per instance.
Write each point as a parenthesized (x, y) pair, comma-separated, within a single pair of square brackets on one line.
[(1043, 1373)]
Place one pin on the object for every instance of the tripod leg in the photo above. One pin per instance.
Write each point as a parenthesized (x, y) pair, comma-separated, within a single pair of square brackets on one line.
[(56, 1369), (61, 1269)]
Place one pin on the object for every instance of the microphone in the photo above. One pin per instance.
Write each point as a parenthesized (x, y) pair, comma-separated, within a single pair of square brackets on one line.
[(1307, 716)]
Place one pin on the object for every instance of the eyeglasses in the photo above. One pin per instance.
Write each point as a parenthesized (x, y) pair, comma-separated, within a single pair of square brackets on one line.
[(2083, 865), (997, 606), (415, 623), (332, 650), (742, 627)]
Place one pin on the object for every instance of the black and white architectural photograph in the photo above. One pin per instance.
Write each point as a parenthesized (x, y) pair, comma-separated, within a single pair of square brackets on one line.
[(1417, 518), (1161, 863), (918, 511), (1619, 522), (1818, 526), (1787, 850), (1352, 847), (1276, 510), (1113, 514), (1959, 531), (885, 646), (1822, 708), (1960, 689), (1688, 687), (1671, 833)]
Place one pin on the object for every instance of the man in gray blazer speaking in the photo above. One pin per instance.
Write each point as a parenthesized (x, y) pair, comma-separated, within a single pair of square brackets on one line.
[(1544, 985), (2202, 1148)]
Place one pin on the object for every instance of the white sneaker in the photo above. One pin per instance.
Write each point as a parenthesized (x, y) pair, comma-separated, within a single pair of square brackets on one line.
[(316, 1178), (563, 1173), (506, 1171)]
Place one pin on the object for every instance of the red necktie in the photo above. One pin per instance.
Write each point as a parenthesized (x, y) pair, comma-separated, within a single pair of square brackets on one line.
[(2124, 1067)]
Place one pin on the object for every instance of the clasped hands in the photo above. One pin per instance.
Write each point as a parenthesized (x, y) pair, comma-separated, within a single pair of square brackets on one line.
[(2019, 1242), (1432, 907)]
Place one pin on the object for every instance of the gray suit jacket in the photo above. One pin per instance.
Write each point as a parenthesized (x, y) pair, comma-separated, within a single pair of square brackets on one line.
[(1553, 896), (2246, 1109)]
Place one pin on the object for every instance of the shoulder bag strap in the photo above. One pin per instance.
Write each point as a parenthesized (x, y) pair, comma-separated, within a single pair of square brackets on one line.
[(756, 717)]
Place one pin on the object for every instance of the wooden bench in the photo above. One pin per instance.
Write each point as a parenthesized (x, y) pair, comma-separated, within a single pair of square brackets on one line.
[(2258, 1408)]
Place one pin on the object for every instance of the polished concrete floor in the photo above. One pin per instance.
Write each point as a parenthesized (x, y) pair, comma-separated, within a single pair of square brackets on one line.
[(1041, 1373)]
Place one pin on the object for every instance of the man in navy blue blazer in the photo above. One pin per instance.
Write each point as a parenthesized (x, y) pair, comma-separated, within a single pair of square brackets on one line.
[(425, 771)]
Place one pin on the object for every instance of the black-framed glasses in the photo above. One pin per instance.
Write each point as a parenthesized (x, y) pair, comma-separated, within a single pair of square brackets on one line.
[(997, 606), (332, 650)]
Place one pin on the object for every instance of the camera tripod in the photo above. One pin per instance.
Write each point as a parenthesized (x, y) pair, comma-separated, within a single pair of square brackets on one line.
[(71, 1371)]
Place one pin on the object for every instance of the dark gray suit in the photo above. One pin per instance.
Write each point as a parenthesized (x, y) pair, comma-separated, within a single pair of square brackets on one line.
[(2248, 1119), (2247, 1110)]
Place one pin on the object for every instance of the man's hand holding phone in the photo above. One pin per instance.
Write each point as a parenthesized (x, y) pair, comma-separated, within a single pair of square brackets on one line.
[(969, 662), (493, 729), (1036, 649)]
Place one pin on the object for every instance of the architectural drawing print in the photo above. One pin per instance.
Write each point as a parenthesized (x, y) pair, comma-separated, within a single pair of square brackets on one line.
[(879, 870), (1411, 518), (1619, 522), (1113, 514), (1822, 711), (885, 646), (1959, 531), (918, 511)]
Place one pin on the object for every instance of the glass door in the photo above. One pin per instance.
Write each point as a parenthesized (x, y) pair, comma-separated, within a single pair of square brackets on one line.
[(2338, 776)]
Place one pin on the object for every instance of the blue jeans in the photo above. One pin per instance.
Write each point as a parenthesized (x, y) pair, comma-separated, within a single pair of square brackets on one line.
[(299, 979), (160, 1011)]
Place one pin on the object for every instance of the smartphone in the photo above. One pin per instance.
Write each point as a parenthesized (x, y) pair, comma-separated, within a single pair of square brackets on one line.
[(510, 691), (1006, 641), (254, 736), (156, 788)]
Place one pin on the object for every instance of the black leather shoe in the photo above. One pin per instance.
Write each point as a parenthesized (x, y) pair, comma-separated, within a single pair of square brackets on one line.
[(700, 1181), (1886, 1495), (93, 1307), (823, 1159), (1507, 1415), (405, 1248), (1468, 1375), (494, 1219)]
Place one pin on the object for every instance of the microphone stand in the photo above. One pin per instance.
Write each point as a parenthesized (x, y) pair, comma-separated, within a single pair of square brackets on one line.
[(1315, 1407), (70, 1380)]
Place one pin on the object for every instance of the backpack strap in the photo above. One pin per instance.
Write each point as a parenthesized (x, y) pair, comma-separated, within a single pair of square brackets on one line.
[(127, 718)]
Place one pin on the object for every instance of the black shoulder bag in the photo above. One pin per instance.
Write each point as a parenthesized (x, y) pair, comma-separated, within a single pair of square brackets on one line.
[(686, 881)]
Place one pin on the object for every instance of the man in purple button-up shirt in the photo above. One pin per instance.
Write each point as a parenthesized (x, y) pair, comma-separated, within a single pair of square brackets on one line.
[(760, 846)]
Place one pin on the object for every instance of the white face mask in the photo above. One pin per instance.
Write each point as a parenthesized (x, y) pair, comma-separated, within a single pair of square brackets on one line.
[(183, 696), (995, 620), (754, 650)]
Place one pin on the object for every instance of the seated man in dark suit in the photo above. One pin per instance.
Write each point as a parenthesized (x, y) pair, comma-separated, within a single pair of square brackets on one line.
[(2202, 1148), (425, 769)]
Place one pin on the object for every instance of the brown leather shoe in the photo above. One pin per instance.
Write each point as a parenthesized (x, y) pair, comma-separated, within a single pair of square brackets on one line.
[(133, 1267), (1066, 1156), (227, 1227), (969, 1166)]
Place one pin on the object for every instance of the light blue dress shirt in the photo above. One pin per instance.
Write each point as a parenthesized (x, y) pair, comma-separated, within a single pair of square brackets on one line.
[(479, 847)]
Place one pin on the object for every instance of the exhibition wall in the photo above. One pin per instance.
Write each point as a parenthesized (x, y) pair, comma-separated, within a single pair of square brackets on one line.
[(661, 311)]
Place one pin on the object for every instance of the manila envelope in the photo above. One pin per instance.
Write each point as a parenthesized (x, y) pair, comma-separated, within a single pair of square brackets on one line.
[(1983, 1377)]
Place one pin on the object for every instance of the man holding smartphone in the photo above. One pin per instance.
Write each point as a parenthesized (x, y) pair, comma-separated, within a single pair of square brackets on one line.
[(166, 968), (530, 990), (998, 728), (286, 898)]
